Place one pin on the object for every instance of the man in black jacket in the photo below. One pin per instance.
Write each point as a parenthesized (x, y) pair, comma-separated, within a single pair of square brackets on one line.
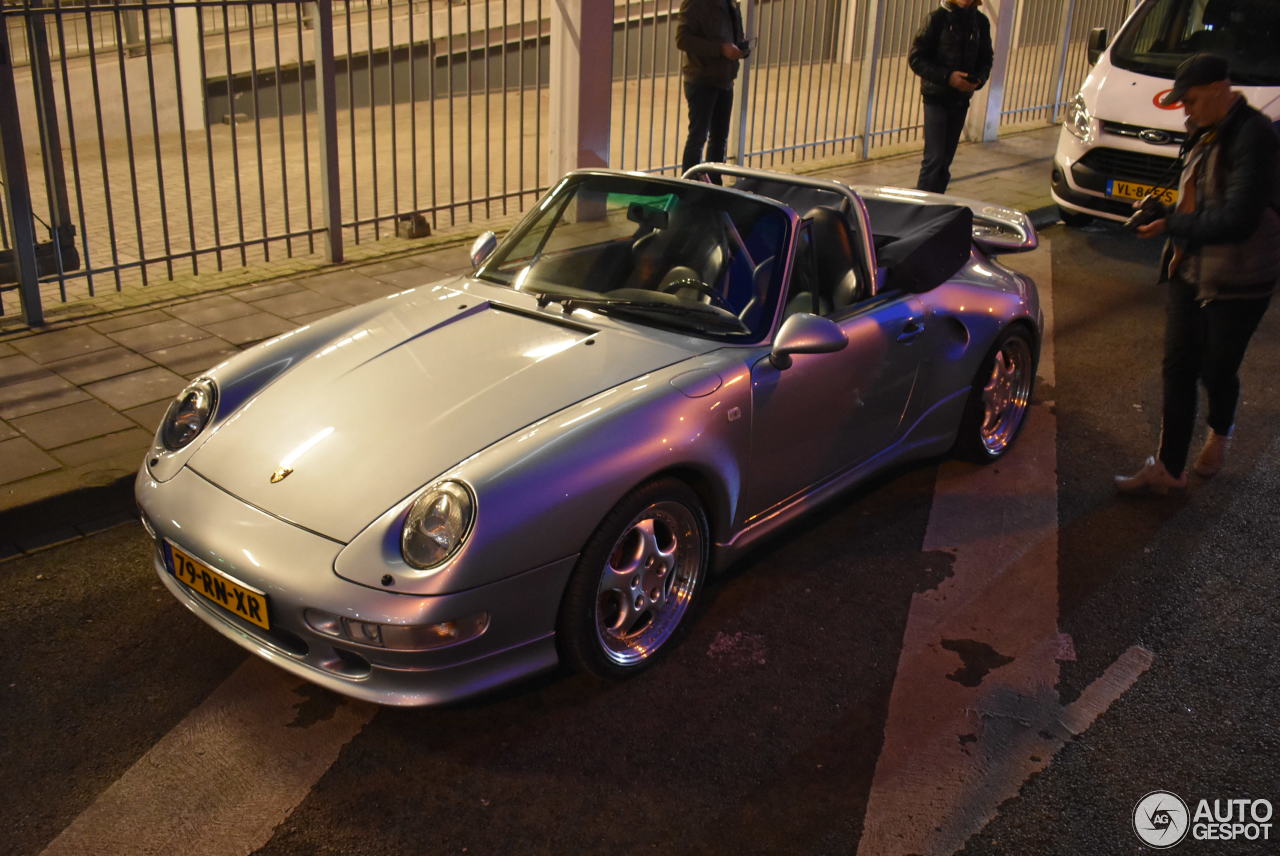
[(1221, 263), (952, 55), (710, 35)]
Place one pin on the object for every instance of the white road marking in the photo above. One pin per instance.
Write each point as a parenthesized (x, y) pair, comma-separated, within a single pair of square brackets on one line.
[(974, 710), (225, 777)]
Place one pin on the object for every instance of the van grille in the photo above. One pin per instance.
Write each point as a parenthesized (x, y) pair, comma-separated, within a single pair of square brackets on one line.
[(1131, 166)]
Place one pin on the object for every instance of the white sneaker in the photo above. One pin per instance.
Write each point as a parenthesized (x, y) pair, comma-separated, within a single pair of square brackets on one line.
[(1213, 457), (1152, 478)]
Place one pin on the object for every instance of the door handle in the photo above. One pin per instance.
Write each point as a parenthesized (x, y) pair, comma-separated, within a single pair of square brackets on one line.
[(911, 330)]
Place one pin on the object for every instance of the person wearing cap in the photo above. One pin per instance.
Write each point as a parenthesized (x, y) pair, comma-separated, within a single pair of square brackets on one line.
[(1221, 261), (951, 53), (711, 37)]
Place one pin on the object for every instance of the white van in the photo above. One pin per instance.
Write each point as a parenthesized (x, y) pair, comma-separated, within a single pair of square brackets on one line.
[(1117, 143)]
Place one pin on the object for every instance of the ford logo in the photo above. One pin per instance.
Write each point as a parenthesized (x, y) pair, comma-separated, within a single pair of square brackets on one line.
[(1155, 137)]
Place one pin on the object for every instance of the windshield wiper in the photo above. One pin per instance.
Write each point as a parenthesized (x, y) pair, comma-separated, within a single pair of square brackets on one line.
[(570, 299), (714, 317)]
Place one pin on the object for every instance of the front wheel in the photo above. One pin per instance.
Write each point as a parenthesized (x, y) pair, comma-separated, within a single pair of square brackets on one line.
[(635, 582), (999, 399)]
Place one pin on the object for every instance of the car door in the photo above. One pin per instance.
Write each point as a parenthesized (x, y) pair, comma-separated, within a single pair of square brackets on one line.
[(829, 412)]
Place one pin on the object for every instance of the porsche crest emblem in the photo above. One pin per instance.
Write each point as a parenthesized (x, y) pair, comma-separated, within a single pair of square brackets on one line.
[(281, 474)]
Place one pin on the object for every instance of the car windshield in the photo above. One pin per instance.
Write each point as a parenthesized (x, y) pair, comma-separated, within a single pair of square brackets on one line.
[(673, 254), (1165, 32)]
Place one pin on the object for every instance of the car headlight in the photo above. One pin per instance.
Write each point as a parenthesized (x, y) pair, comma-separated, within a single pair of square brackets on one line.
[(439, 521), (1078, 120), (189, 413)]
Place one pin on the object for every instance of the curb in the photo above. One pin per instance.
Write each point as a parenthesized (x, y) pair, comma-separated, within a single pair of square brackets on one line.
[(36, 526)]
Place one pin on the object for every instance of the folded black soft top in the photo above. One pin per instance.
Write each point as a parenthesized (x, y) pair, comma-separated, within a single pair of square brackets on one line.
[(920, 246)]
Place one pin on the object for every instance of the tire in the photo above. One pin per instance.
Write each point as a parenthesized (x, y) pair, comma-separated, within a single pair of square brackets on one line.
[(999, 399), (636, 581), (1074, 219)]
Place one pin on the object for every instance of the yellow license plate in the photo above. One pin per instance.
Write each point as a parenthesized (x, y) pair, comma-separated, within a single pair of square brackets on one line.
[(234, 597), (1132, 190)]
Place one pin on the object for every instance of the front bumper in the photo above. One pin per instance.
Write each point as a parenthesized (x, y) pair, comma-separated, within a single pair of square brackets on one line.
[(294, 568), (1081, 172)]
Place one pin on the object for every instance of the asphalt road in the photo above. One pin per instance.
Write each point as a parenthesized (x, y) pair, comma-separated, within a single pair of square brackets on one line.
[(763, 731)]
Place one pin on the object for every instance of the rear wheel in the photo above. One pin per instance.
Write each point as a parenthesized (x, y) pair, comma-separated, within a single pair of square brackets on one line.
[(999, 399), (635, 582)]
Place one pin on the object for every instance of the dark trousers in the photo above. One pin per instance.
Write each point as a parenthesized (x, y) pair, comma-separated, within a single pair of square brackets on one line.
[(709, 111), (1204, 343), (943, 123)]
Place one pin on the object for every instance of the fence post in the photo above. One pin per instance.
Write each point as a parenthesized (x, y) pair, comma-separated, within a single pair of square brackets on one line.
[(744, 89), (187, 47), (55, 175), (1006, 17), (1068, 13), (327, 119), (581, 85), (871, 62), (13, 169)]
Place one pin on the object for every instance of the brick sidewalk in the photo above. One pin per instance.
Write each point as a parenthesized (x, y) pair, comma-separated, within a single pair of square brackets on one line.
[(81, 397)]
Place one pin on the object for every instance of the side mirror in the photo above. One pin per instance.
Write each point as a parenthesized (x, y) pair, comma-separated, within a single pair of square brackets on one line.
[(482, 248), (803, 333), (1096, 43)]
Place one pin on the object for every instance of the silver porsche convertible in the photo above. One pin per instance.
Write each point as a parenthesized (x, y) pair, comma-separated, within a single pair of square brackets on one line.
[(450, 488)]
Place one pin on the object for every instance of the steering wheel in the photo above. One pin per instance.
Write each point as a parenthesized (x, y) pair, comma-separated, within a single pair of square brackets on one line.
[(699, 286)]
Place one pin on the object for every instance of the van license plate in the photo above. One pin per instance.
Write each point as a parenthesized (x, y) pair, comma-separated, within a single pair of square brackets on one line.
[(1133, 190)]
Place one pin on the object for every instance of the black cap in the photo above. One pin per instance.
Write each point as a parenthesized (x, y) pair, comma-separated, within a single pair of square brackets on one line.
[(1195, 70)]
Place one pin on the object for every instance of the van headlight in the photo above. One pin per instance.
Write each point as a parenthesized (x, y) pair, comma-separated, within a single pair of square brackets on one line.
[(439, 521), (189, 413), (1078, 121)]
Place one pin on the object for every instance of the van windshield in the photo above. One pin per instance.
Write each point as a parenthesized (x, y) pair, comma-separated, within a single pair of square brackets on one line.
[(1165, 32)]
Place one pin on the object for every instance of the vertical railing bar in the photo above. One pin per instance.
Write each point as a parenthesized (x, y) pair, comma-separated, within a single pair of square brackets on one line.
[(284, 162), (102, 151), (653, 78), (235, 142), (431, 124), (635, 151), (18, 189), (537, 113), (373, 121), (831, 115), (804, 74), (128, 132), (351, 124), (257, 133), (393, 107), (506, 187), (182, 137), (71, 143), (300, 24), (626, 83), (789, 137), (471, 124), (453, 145), (208, 142), (1067, 20), (488, 100), (520, 82), (413, 105), (155, 131)]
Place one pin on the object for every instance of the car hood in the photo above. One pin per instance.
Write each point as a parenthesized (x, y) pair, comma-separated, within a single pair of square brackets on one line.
[(379, 412)]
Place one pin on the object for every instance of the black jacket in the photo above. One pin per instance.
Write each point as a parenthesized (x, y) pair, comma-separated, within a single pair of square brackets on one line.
[(951, 39), (704, 26), (1232, 237)]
